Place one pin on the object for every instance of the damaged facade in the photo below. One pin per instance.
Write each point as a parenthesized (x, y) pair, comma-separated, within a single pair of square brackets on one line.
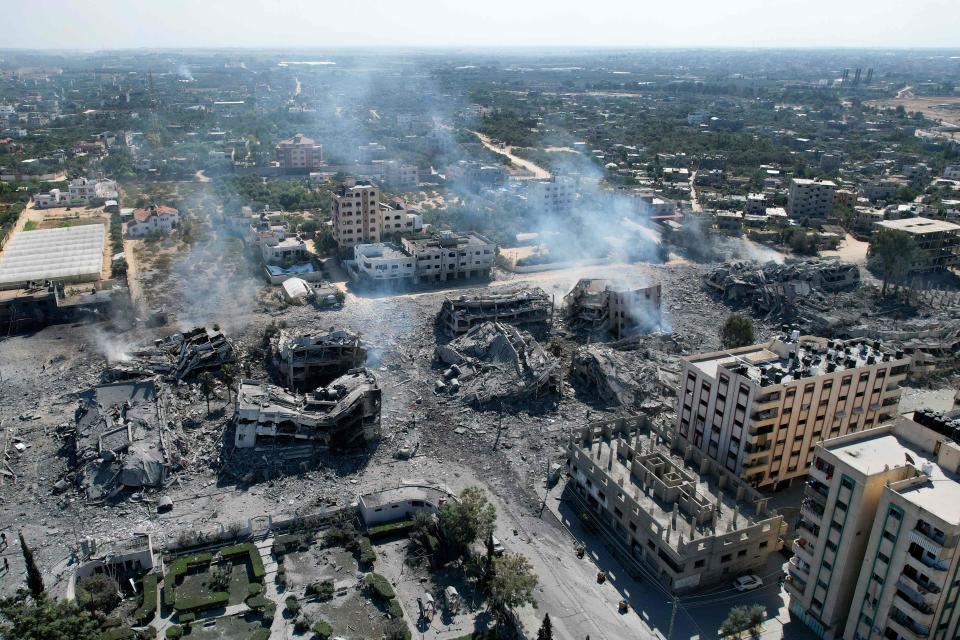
[(304, 360), (496, 360), (344, 414), (686, 519), (516, 306), (626, 378), (118, 440), (619, 309), (778, 287), (177, 357)]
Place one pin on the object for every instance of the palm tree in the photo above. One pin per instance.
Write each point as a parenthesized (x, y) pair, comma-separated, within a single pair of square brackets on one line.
[(206, 386), (229, 376), (893, 252)]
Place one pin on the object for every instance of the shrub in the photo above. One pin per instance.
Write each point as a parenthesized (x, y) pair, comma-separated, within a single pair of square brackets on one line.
[(257, 602), (148, 608), (97, 593), (118, 633), (322, 629), (250, 549), (202, 603), (174, 632), (323, 590), (380, 586), (301, 625), (367, 553), (394, 609), (396, 630), (177, 568), (261, 634), (186, 618), (389, 528), (292, 605), (254, 588)]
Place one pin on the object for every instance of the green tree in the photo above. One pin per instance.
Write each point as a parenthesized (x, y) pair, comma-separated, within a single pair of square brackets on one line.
[(34, 577), (546, 629), (892, 252), (466, 520), (736, 622), (98, 593), (45, 619), (339, 296), (206, 387), (756, 615), (229, 376), (512, 585), (737, 331)]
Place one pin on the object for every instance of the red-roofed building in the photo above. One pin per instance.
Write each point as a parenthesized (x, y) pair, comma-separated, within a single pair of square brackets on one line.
[(153, 219)]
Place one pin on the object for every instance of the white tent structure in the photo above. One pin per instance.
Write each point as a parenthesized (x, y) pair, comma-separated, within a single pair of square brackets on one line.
[(69, 254)]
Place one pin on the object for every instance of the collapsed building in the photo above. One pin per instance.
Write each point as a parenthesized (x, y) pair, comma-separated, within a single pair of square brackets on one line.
[(42, 303), (617, 308), (683, 518), (932, 345), (497, 361), (344, 414), (118, 439), (176, 357), (303, 361), (521, 306), (779, 287), (624, 378)]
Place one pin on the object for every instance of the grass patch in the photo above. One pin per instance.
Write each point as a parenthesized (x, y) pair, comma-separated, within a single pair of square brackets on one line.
[(204, 602), (390, 528), (148, 608), (31, 225)]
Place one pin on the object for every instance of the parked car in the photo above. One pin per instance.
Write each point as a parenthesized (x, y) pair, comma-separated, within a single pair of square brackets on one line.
[(747, 583)]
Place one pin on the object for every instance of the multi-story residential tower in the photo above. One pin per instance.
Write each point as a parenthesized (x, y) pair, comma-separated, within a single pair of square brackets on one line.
[(876, 555), (299, 154), (810, 198), (760, 410), (937, 242), (357, 218)]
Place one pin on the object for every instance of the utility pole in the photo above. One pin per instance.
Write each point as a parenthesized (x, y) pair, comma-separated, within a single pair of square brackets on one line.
[(673, 616)]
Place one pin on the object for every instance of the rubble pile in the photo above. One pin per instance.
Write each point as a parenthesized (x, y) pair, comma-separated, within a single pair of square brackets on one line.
[(176, 357), (628, 378), (117, 440), (495, 360), (303, 361), (933, 345), (778, 288), (618, 308), (516, 306)]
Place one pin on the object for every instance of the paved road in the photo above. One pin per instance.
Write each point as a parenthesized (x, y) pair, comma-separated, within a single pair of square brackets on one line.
[(539, 172)]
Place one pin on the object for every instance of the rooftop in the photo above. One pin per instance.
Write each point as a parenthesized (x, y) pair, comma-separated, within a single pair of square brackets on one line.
[(52, 254), (920, 226)]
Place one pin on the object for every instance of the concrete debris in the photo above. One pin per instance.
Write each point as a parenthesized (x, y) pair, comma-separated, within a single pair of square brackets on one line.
[(342, 415), (777, 288), (117, 439), (617, 308), (622, 378), (176, 357), (495, 360), (932, 345), (304, 361), (516, 306)]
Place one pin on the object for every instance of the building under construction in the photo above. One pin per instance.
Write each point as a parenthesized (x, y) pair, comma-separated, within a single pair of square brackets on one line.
[(304, 361), (525, 306), (344, 414), (617, 308), (683, 518)]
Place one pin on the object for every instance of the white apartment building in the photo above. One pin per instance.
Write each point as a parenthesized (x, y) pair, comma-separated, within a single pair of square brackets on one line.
[(810, 198), (555, 195), (760, 410), (80, 192), (937, 242), (396, 218), (356, 213), (292, 249), (451, 256), (394, 174), (384, 261), (876, 555)]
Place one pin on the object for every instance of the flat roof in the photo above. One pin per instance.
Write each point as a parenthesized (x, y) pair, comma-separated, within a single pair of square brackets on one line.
[(920, 225), (53, 254)]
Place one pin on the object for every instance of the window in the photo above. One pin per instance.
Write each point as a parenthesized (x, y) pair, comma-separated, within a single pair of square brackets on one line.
[(725, 558)]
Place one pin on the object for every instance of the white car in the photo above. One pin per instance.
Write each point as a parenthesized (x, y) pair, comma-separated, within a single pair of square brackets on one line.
[(747, 583)]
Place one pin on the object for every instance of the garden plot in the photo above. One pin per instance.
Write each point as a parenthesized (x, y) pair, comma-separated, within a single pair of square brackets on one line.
[(230, 628)]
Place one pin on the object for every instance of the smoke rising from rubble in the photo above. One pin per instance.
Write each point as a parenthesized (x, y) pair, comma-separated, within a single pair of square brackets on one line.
[(114, 348)]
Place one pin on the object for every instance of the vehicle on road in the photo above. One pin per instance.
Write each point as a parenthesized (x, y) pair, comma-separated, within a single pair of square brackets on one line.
[(747, 583)]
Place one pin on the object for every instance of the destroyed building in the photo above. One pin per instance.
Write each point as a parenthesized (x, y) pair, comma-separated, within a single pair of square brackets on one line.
[(517, 306), (118, 439), (342, 415), (625, 377), (617, 308), (932, 345), (41, 303), (304, 361), (497, 361), (683, 517), (779, 287), (176, 357)]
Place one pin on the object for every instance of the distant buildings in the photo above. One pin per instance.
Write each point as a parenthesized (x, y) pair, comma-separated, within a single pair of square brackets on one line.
[(876, 554), (937, 242), (554, 196), (952, 172), (299, 154), (760, 410), (153, 219), (394, 174), (810, 198), (80, 192)]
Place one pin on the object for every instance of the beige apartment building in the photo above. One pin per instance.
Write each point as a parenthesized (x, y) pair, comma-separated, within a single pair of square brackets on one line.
[(299, 154), (357, 218), (876, 555), (810, 198), (759, 411), (937, 241), (676, 514)]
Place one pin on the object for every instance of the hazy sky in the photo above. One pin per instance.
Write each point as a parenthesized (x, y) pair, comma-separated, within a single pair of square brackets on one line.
[(104, 24)]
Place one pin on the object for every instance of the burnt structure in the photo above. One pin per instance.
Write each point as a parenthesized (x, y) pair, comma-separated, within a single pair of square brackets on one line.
[(516, 306), (44, 303), (304, 361), (344, 414), (177, 357), (618, 308)]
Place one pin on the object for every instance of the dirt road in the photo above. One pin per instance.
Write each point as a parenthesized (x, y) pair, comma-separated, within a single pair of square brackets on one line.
[(539, 173), (694, 200)]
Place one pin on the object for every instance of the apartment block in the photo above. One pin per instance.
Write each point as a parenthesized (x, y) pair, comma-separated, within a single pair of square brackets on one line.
[(876, 555), (616, 307), (555, 195), (759, 411), (937, 242), (810, 198), (681, 517), (451, 256), (299, 154), (357, 218)]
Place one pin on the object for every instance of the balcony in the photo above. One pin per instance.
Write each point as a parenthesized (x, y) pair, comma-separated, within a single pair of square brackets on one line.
[(915, 628), (811, 510), (801, 566), (918, 582), (766, 414), (795, 582), (804, 549), (917, 609), (812, 527), (817, 490), (937, 540), (934, 566)]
